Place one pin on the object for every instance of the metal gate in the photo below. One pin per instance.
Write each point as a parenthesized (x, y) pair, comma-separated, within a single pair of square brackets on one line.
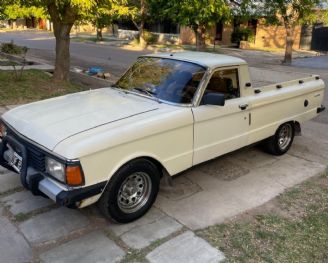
[(319, 39)]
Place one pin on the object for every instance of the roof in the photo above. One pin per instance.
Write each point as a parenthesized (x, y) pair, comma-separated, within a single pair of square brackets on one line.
[(206, 59)]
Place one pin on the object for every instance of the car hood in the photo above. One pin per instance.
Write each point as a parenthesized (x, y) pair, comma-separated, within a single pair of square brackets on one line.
[(51, 121)]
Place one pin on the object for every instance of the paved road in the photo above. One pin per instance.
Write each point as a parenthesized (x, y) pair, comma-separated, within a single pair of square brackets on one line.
[(320, 62), (42, 45)]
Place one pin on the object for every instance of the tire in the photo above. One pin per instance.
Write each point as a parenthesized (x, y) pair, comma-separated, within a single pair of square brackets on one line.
[(131, 191), (280, 143)]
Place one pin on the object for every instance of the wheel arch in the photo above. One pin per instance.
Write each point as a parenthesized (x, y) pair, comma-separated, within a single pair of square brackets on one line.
[(161, 168), (296, 126), (159, 165)]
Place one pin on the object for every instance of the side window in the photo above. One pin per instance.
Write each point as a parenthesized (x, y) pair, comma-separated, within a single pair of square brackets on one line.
[(226, 82)]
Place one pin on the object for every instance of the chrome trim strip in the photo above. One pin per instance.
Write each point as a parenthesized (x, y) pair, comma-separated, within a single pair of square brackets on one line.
[(201, 89), (49, 188)]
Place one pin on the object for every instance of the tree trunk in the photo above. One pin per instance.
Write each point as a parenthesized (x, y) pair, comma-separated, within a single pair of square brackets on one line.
[(99, 34), (142, 41), (62, 63), (200, 38), (113, 29), (63, 20), (289, 44)]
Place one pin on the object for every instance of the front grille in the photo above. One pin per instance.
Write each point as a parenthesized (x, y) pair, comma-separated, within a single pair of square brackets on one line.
[(35, 157)]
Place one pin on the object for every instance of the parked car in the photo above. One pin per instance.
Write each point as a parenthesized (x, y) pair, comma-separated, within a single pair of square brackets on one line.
[(167, 113)]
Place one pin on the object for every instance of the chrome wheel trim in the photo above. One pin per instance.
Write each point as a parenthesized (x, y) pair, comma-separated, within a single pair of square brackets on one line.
[(134, 192), (285, 136)]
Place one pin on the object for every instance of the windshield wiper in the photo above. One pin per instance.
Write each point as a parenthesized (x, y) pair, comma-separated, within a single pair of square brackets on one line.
[(116, 86), (145, 91), (150, 93)]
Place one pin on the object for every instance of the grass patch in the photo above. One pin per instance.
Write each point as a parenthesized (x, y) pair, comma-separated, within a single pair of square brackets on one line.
[(34, 85), (8, 63), (139, 255), (21, 217), (83, 39), (298, 234), (90, 39)]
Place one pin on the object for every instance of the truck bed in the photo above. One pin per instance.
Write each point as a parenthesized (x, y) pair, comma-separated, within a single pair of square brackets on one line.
[(265, 77)]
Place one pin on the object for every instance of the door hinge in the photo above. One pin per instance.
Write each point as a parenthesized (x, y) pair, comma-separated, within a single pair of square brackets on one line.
[(249, 118)]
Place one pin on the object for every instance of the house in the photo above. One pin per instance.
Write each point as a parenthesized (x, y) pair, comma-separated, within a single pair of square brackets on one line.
[(21, 23), (307, 37), (264, 36)]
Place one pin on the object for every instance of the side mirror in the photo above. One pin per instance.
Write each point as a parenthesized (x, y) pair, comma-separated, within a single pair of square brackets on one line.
[(213, 98)]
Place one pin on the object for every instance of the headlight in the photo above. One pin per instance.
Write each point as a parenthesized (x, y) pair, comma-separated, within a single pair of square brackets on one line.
[(3, 130), (71, 174), (55, 169)]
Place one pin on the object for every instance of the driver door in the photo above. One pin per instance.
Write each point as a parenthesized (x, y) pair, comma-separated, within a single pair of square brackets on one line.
[(221, 129)]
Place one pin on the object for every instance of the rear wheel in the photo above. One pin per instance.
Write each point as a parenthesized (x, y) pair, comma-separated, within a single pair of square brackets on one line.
[(280, 143), (131, 192)]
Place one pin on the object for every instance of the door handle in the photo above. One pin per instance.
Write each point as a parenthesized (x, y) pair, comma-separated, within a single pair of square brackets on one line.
[(243, 106)]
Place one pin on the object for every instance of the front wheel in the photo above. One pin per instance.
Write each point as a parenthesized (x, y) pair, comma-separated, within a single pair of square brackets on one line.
[(131, 192), (280, 143)]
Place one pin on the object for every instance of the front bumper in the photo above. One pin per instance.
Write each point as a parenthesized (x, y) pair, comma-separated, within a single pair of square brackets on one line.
[(39, 184)]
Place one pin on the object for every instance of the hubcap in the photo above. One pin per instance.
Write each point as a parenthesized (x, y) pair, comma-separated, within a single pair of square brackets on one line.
[(285, 136), (134, 192)]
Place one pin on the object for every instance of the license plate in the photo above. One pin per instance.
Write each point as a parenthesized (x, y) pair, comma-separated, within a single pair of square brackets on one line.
[(16, 162)]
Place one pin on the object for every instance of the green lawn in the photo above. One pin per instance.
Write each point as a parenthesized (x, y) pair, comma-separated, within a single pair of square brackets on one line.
[(34, 85), (293, 228)]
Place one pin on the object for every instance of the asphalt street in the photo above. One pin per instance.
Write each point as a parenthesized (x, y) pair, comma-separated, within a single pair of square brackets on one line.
[(318, 62), (42, 45)]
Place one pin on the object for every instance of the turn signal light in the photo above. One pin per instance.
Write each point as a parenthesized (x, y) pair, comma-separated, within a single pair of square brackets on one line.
[(74, 176)]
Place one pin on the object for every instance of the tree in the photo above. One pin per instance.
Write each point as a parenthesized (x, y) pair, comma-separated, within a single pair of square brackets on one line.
[(14, 11), (100, 17), (101, 21), (198, 15), (63, 14), (3, 6), (104, 15), (137, 12), (289, 13)]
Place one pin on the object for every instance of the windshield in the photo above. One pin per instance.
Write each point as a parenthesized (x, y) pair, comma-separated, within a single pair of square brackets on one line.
[(165, 79)]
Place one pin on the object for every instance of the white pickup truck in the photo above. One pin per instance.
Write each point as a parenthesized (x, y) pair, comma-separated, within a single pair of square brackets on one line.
[(167, 113)]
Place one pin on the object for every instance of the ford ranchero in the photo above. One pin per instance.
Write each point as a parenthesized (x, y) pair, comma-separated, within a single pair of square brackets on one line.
[(167, 113)]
